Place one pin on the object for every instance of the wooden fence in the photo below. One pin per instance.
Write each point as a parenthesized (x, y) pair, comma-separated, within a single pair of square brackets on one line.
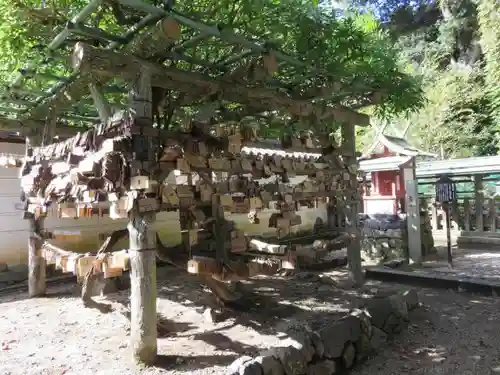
[(466, 215)]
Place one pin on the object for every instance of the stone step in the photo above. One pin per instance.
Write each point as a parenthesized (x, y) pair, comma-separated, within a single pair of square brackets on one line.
[(478, 242), (480, 234)]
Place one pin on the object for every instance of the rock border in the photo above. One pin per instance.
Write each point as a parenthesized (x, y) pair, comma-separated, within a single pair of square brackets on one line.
[(336, 347)]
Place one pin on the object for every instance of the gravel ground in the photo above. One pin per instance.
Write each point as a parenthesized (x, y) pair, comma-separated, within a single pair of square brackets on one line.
[(452, 334)]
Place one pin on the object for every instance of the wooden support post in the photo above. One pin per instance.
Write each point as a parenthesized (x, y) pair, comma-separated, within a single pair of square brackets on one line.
[(455, 214), (186, 225), (492, 213), (413, 218), (479, 202), (434, 216), (143, 318), (352, 209), (424, 205), (331, 213), (49, 129), (37, 267), (446, 223), (466, 215), (100, 102), (185, 221), (447, 220), (221, 253)]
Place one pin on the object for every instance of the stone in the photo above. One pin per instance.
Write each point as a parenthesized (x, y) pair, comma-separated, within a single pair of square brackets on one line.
[(245, 366), (19, 268), (10, 277), (302, 342), (378, 339), (234, 368), (319, 244), (319, 347), (291, 359), (393, 324), (388, 313), (110, 286), (394, 233), (300, 337), (364, 320), (251, 367), (335, 336), (398, 302), (210, 315), (324, 288), (363, 346), (309, 276), (270, 365), (323, 367), (411, 298), (348, 355), (327, 280)]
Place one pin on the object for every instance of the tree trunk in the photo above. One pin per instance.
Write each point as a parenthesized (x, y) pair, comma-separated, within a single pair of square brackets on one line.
[(36, 273), (352, 210), (143, 318), (142, 238)]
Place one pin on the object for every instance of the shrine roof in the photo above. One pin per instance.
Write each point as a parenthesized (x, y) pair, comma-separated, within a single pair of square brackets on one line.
[(399, 145), (459, 167), (391, 163)]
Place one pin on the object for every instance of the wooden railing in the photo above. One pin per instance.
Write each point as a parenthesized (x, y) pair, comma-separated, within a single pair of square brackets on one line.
[(466, 215)]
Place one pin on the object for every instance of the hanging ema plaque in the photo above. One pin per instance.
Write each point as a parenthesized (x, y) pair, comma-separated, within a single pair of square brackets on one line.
[(445, 190)]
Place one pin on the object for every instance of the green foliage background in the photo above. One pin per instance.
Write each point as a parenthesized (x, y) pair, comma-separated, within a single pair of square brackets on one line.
[(454, 47)]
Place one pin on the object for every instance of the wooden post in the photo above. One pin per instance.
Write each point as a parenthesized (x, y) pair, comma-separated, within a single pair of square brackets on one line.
[(352, 209), (219, 230), (479, 201), (143, 318), (413, 218), (36, 274), (492, 215), (455, 214), (446, 222), (424, 205), (331, 213), (466, 215), (185, 221), (435, 217), (100, 102), (49, 129)]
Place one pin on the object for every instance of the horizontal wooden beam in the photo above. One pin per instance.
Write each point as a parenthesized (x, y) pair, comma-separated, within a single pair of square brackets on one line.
[(30, 127), (106, 63)]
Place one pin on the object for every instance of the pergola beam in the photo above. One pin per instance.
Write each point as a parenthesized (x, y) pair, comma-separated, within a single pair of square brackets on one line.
[(108, 64), (35, 127)]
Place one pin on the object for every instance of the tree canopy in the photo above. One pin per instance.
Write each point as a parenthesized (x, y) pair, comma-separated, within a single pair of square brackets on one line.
[(349, 60), (453, 45)]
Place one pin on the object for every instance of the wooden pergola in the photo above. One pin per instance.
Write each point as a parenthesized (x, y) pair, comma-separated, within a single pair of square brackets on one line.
[(183, 113)]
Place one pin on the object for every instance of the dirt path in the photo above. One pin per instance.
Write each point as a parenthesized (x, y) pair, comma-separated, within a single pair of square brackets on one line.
[(454, 334)]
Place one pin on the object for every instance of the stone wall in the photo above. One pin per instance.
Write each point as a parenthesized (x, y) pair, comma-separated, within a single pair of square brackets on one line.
[(335, 348), (385, 236)]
